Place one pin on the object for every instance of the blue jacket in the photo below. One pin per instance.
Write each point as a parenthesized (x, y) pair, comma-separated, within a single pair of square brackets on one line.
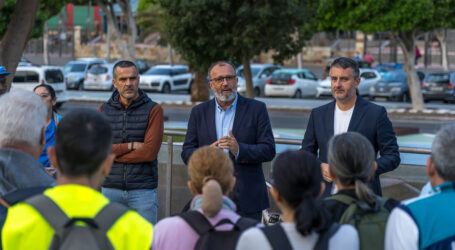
[(368, 119), (253, 133)]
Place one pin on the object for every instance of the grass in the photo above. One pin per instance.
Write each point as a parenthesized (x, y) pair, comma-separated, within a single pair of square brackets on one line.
[(176, 138)]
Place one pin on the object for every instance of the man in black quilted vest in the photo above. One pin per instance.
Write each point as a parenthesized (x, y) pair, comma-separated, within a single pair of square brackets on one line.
[(137, 126)]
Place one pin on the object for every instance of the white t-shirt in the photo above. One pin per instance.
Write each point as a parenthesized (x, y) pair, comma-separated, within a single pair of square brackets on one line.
[(341, 120), (345, 238)]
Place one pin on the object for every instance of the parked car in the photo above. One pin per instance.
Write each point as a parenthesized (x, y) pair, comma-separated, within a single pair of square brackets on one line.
[(167, 78), (25, 62), (439, 86), (75, 71), (99, 77), (292, 82), (260, 73), (28, 77), (383, 68), (368, 78), (141, 66), (393, 86)]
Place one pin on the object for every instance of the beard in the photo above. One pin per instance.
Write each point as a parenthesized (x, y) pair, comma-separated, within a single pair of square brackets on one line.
[(225, 97)]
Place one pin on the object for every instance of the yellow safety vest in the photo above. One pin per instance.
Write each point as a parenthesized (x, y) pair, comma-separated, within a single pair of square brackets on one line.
[(25, 228)]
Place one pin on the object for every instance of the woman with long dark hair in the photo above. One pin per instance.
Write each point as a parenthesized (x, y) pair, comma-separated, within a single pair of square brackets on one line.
[(297, 184), (47, 94)]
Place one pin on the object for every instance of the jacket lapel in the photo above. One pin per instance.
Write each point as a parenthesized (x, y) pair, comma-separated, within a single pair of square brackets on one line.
[(210, 122), (329, 122), (239, 113), (357, 114)]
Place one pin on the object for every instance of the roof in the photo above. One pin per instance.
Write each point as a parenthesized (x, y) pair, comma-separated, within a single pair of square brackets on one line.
[(291, 71)]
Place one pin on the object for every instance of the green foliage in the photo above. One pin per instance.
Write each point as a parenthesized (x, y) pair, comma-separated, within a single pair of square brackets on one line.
[(46, 9), (385, 15), (204, 31), (145, 4)]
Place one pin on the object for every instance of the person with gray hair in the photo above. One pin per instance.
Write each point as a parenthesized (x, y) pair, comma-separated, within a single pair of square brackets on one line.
[(350, 112), (22, 125), (427, 222), (352, 164)]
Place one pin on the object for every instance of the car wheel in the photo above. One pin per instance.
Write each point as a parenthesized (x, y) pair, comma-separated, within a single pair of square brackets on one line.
[(166, 88), (80, 86), (257, 92), (298, 94), (190, 88)]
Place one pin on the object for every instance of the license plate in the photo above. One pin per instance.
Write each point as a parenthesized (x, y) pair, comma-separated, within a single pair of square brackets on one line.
[(437, 88), (279, 89)]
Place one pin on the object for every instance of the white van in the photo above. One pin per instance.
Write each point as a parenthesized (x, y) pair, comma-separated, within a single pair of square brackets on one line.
[(28, 77)]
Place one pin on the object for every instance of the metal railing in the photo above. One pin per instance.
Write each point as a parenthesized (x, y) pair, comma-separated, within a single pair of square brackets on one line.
[(170, 149)]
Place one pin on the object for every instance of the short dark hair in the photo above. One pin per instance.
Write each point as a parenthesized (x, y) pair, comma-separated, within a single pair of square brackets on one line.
[(123, 64), (221, 63), (49, 88), (83, 141), (297, 177), (344, 63)]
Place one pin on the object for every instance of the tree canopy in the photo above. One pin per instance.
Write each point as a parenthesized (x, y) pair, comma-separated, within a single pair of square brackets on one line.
[(402, 18), (204, 31)]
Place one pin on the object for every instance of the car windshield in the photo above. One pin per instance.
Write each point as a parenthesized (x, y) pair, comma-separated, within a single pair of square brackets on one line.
[(281, 75), (254, 72), (74, 67), (394, 77), (158, 71), (53, 76), (438, 78), (98, 70)]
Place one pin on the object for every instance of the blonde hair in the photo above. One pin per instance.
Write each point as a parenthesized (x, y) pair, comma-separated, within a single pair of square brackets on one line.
[(211, 172)]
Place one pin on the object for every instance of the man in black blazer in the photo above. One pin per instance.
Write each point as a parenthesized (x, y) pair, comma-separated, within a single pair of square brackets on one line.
[(349, 112), (241, 127)]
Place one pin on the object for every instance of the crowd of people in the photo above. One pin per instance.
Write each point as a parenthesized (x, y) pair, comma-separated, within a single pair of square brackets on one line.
[(88, 180)]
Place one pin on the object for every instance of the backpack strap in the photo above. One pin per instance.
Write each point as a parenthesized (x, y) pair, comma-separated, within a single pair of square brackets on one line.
[(277, 237), (245, 223), (50, 211), (197, 221), (324, 237), (108, 215)]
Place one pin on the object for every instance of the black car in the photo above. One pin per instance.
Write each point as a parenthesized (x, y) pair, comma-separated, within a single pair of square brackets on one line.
[(393, 86), (439, 86)]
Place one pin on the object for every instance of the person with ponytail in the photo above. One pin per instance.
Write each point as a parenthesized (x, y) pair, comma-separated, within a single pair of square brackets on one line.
[(211, 179), (352, 163), (297, 184)]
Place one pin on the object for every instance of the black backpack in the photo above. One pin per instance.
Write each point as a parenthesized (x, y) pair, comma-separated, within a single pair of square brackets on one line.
[(69, 233), (279, 240), (209, 237)]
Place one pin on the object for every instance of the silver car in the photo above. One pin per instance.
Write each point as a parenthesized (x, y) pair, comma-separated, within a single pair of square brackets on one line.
[(75, 71), (260, 73)]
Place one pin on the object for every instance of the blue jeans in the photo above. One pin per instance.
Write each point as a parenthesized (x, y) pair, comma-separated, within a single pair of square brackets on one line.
[(142, 200)]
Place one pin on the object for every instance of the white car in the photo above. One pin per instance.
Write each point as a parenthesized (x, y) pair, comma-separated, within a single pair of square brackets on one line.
[(292, 83), (167, 78), (99, 77), (368, 78), (28, 77), (260, 73)]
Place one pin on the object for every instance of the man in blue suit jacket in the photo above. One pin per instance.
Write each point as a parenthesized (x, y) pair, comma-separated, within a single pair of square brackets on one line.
[(241, 127), (349, 112)]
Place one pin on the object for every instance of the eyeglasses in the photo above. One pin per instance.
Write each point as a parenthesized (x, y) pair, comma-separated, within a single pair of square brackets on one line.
[(221, 79)]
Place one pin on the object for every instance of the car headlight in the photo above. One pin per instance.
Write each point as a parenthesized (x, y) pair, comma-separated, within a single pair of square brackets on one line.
[(372, 89), (395, 89)]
